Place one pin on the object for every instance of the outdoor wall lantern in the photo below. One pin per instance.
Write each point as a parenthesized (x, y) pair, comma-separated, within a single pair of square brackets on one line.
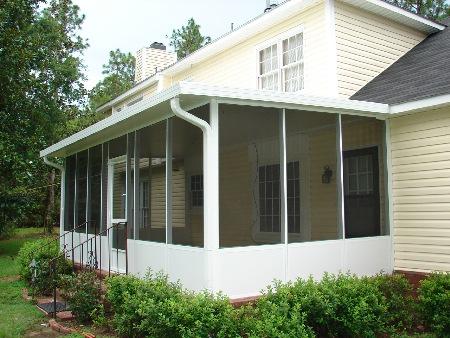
[(327, 174)]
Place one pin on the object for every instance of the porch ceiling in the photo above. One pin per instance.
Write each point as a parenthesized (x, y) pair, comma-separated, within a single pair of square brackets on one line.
[(157, 108)]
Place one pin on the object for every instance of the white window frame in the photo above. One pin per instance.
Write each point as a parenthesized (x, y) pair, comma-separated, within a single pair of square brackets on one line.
[(278, 40)]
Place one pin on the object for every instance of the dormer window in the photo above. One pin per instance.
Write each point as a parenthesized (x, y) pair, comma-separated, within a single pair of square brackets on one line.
[(280, 65)]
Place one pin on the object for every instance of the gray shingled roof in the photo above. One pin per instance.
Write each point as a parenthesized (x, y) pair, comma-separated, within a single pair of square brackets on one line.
[(421, 73)]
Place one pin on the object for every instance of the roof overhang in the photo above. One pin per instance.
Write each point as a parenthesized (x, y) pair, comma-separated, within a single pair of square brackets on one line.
[(157, 108), (434, 102), (397, 14)]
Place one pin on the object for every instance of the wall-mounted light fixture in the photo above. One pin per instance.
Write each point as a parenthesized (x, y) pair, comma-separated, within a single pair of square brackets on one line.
[(327, 174)]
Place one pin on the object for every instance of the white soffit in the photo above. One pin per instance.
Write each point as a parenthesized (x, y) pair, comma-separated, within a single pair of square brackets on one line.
[(192, 94), (397, 14)]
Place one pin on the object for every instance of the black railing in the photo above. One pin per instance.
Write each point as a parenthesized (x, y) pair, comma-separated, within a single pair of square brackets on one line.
[(66, 233), (93, 254)]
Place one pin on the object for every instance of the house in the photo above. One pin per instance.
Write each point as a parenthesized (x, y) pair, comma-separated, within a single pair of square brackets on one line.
[(315, 138)]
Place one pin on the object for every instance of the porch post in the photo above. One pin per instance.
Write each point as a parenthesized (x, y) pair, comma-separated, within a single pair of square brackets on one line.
[(211, 192), (62, 207), (136, 192), (283, 189), (340, 179), (389, 203), (169, 181)]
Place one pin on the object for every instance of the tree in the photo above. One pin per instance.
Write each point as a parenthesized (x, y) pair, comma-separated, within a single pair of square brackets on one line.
[(188, 39), (119, 77), (432, 9), (41, 80)]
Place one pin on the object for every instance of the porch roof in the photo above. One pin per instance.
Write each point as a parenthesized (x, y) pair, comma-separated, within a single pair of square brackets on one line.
[(157, 108)]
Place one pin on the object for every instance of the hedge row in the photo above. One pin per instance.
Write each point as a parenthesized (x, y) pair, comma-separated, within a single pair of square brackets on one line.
[(337, 306)]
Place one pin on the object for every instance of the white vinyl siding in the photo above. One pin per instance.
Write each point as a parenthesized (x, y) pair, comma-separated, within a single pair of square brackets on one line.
[(421, 190), (367, 44)]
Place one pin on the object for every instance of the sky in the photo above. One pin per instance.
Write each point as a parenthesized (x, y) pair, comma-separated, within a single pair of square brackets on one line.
[(133, 24)]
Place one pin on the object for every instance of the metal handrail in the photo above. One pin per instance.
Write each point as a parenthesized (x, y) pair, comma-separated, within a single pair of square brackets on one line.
[(64, 252), (85, 224)]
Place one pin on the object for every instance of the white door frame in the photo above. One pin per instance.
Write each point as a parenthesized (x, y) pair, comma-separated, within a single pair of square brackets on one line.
[(116, 254)]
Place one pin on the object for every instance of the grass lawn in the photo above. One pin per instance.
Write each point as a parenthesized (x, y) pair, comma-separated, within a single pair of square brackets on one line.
[(19, 318), (16, 315)]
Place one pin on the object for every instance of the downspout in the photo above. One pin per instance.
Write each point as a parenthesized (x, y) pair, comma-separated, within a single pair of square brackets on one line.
[(63, 185), (53, 164), (210, 179), (192, 119)]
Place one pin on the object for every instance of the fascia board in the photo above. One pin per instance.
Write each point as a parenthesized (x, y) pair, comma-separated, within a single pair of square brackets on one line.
[(419, 105)]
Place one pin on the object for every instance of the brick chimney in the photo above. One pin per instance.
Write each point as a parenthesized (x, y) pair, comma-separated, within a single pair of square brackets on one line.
[(150, 60)]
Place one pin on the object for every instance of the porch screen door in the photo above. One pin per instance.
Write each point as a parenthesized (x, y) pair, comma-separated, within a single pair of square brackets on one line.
[(118, 201), (362, 196)]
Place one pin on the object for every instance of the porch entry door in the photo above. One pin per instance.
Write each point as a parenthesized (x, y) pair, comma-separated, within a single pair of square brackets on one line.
[(362, 195), (117, 197)]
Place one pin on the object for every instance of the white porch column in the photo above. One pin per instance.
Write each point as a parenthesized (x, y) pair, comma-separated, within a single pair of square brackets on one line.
[(62, 207), (211, 193), (283, 191), (340, 179), (169, 157)]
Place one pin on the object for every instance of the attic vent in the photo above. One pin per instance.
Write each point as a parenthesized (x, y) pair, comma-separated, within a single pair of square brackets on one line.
[(270, 4)]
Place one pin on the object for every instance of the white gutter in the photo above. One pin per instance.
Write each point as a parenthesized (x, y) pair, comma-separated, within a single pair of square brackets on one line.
[(53, 164), (414, 106), (63, 187), (181, 113)]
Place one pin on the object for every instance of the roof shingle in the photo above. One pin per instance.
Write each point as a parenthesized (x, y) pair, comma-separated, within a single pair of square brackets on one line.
[(421, 73)]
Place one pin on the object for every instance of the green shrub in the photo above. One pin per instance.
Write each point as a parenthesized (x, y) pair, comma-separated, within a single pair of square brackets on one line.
[(434, 303), (356, 306), (337, 306), (401, 306), (43, 252), (269, 318), (82, 291), (156, 307)]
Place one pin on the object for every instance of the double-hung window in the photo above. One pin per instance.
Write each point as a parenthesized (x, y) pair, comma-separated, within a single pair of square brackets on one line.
[(281, 65), (270, 198), (268, 68)]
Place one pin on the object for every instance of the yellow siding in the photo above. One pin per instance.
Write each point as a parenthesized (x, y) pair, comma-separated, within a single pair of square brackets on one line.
[(366, 45), (237, 67), (421, 190), (323, 197)]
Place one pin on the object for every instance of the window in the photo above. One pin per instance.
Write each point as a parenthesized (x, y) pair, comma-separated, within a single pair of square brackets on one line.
[(144, 204), (268, 68), (293, 63), (269, 198), (358, 175), (197, 190), (287, 74)]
